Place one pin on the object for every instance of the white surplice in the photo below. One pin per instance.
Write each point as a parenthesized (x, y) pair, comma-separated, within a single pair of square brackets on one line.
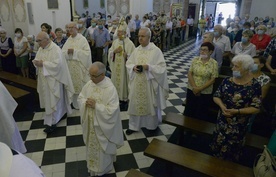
[(149, 89), (117, 63), (9, 132), (102, 127), (14, 165), (78, 63), (54, 84)]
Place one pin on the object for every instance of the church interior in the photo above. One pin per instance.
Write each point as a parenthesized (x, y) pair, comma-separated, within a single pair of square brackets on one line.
[(186, 151)]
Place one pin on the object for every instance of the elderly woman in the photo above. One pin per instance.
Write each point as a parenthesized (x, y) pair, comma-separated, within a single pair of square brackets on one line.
[(32, 49), (6, 56), (261, 40), (238, 98), (59, 40), (245, 46), (263, 79), (21, 52), (201, 76)]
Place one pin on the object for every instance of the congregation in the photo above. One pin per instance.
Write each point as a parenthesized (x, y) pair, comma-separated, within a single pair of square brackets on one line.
[(103, 66)]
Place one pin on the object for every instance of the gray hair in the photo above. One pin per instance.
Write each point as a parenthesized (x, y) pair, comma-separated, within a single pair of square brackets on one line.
[(148, 31), (246, 61), (263, 26), (100, 66), (210, 34)]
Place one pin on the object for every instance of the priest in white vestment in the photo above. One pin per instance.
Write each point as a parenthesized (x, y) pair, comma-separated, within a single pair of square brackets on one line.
[(148, 84), (77, 52), (54, 84), (119, 52), (15, 164), (9, 132), (100, 120)]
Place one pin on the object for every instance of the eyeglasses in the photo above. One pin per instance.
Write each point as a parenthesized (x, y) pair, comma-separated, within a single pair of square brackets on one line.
[(39, 40), (93, 76), (204, 50)]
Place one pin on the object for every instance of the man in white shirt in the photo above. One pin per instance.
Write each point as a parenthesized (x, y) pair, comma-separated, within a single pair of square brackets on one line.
[(221, 40), (190, 22), (132, 27), (169, 26)]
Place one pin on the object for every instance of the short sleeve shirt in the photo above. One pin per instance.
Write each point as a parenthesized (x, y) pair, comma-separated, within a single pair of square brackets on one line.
[(202, 72)]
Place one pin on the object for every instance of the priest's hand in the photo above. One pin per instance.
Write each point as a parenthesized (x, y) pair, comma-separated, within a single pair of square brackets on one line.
[(70, 51), (118, 50), (136, 69), (125, 55), (91, 103), (38, 63), (145, 67)]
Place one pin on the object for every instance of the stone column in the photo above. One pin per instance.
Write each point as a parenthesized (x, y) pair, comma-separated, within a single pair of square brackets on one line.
[(203, 2)]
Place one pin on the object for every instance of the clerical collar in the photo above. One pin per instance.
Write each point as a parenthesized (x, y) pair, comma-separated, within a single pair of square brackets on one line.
[(147, 47)]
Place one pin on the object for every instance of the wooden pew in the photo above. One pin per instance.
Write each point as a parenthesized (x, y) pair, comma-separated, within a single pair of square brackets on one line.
[(196, 161), (18, 79), (16, 92), (136, 173), (201, 126)]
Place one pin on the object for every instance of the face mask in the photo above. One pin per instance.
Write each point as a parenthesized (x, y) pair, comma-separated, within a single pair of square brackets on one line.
[(252, 28), (63, 35), (17, 35), (93, 25), (100, 26), (203, 56), (237, 74), (244, 40), (254, 68), (260, 31), (114, 26), (269, 26), (216, 34)]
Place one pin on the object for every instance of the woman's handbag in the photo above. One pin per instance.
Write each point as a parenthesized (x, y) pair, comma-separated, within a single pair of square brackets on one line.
[(265, 164)]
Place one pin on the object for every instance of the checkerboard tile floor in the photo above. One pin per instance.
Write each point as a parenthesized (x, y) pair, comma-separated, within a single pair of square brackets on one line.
[(62, 154)]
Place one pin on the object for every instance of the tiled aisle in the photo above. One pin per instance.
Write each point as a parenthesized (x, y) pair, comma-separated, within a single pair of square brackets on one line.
[(62, 154)]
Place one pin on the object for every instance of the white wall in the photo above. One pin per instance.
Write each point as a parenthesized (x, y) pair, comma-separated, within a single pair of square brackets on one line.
[(262, 8), (54, 17), (94, 6), (140, 7)]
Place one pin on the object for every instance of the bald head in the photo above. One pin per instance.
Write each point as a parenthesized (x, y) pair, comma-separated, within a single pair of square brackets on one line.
[(97, 72), (72, 27), (43, 39), (42, 35)]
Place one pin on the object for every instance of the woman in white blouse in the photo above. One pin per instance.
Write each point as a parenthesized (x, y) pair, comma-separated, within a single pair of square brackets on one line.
[(145, 22), (21, 52), (245, 46)]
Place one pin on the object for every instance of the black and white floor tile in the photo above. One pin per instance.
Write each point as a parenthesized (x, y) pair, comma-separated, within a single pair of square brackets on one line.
[(62, 154)]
